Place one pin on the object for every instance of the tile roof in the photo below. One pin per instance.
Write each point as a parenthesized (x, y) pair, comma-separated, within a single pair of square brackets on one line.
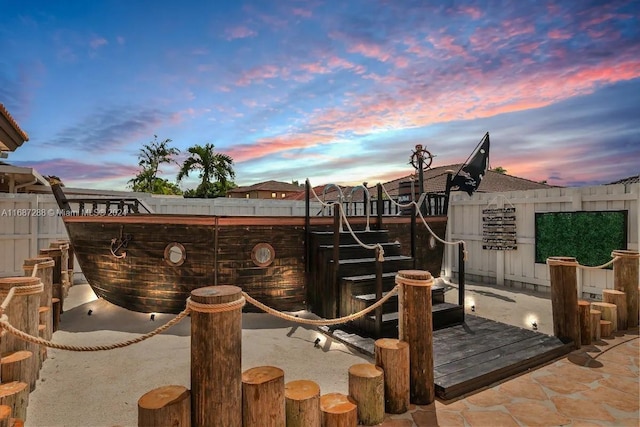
[(12, 122), (628, 180), (269, 186)]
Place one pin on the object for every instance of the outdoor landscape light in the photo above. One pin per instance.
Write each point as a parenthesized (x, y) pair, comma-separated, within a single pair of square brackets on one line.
[(89, 312), (316, 342), (534, 325), (473, 308), (153, 316)]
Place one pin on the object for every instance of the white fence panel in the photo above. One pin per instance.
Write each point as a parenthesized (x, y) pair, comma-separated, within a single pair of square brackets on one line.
[(518, 267)]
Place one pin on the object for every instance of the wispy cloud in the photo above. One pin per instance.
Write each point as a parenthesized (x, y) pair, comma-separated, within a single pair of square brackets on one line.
[(109, 128), (240, 32), (97, 42)]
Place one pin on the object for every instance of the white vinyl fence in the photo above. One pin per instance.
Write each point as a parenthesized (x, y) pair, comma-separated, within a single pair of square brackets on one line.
[(517, 267)]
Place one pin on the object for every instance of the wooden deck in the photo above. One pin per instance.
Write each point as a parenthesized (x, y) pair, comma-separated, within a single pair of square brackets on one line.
[(477, 353)]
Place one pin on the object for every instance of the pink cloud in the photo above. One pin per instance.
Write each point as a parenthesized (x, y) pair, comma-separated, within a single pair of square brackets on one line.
[(259, 74), (556, 34), (240, 32), (305, 13), (472, 11), (370, 50)]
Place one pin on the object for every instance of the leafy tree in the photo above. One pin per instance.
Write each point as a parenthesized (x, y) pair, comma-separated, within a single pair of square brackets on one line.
[(500, 170), (151, 156), (215, 171)]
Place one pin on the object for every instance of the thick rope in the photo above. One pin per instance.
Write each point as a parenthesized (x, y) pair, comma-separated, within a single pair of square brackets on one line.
[(321, 322), (4, 324), (560, 262), (416, 282), (379, 253), (215, 308), (626, 255)]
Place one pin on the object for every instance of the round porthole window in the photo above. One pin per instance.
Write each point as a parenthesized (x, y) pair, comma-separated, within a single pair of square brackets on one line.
[(174, 254), (263, 254), (432, 242)]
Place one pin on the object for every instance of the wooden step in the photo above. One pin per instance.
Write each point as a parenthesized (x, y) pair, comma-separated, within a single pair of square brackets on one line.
[(444, 315), (362, 266), (369, 237), (355, 250), (437, 296)]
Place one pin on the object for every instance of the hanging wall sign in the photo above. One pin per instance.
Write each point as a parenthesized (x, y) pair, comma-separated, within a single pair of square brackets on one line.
[(499, 229)]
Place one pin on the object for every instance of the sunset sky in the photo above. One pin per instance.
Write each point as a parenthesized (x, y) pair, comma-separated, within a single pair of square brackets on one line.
[(334, 91)]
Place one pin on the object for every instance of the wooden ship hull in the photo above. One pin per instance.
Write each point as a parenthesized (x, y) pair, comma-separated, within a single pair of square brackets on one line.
[(127, 259)]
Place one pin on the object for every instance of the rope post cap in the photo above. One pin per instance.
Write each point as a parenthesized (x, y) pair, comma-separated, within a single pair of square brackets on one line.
[(43, 262), (625, 253), (414, 277), (562, 260), (7, 283), (415, 274), (51, 251), (216, 294)]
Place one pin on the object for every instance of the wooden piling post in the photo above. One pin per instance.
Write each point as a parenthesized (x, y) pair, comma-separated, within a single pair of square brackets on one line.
[(17, 366), (608, 312), (595, 325), (366, 387), (564, 298), (15, 394), (216, 348), (55, 306), (415, 325), (338, 410), (63, 245), (22, 313), (392, 356), (302, 404), (165, 406), (263, 397), (57, 287), (605, 328), (626, 279), (44, 271), (618, 298), (5, 416), (584, 316)]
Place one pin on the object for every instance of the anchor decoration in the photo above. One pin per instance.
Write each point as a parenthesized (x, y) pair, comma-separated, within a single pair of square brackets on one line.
[(118, 244)]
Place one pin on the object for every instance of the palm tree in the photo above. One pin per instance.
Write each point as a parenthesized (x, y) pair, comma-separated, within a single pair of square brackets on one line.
[(151, 156), (212, 166)]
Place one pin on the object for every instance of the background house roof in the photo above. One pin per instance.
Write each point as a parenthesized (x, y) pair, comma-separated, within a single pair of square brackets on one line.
[(628, 180), (276, 186), (11, 136), (435, 181)]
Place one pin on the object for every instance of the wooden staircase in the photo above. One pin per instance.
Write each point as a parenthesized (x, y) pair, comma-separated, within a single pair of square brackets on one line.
[(351, 287)]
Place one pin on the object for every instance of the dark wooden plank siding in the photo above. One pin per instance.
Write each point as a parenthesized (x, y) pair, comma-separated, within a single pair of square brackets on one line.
[(280, 285)]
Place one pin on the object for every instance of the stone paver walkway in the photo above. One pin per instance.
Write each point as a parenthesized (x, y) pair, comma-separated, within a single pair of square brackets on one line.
[(594, 386)]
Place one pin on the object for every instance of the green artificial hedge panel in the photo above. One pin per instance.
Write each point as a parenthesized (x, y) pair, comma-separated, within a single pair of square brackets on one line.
[(588, 236)]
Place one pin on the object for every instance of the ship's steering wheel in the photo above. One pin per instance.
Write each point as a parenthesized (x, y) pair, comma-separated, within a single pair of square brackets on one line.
[(427, 158)]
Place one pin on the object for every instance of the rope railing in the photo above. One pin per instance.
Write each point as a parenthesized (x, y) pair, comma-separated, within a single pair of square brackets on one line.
[(424, 221), (344, 220), (576, 264)]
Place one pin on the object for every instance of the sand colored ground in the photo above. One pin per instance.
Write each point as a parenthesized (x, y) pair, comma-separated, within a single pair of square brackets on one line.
[(595, 386)]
